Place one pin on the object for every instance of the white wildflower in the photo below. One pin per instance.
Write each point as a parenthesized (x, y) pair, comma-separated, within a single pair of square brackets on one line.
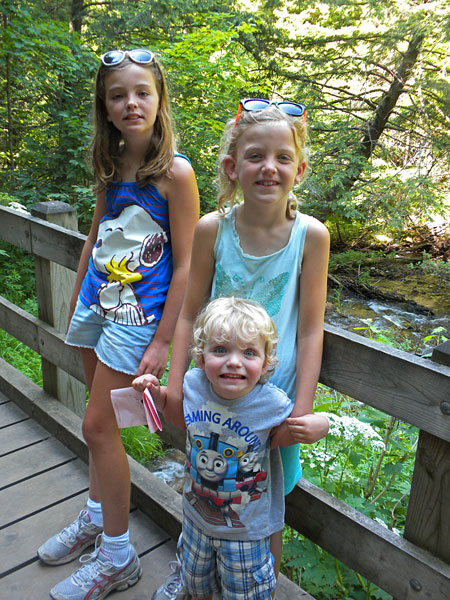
[(350, 428)]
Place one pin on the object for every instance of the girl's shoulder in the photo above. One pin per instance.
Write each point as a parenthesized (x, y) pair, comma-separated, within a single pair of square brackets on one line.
[(180, 168), (208, 224), (180, 176), (317, 237), (315, 227)]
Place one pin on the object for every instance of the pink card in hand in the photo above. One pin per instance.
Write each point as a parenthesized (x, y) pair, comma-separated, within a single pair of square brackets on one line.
[(130, 409), (152, 413)]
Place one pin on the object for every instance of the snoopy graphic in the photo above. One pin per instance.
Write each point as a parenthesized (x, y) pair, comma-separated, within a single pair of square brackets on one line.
[(138, 240)]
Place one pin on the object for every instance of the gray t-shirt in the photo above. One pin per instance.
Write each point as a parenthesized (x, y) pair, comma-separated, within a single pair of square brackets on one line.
[(234, 484)]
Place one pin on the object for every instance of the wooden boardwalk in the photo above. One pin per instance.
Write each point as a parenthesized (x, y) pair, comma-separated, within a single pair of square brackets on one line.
[(43, 485)]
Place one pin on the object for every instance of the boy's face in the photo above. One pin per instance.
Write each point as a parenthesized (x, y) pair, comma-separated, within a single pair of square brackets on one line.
[(234, 368)]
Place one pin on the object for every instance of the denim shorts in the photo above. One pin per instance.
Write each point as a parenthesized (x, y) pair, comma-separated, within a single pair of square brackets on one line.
[(239, 569), (120, 347)]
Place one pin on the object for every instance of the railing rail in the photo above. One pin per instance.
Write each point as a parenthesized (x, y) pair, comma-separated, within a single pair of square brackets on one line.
[(407, 387)]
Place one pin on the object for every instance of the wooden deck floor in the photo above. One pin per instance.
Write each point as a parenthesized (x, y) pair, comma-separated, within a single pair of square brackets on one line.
[(43, 486)]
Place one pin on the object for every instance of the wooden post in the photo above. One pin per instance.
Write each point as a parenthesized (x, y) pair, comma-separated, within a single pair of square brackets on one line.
[(54, 285), (428, 517)]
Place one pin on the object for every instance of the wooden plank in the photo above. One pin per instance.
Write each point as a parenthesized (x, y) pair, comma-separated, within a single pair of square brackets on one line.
[(400, 384), (441, 354), (32, 460), (397, 566), (11, 414), (15, 228), (52, 346), (45, 409), (410, 388), (47, 240), (19, 323), (36, 579), (20, 541), (428, 517), (40, 337), (54, 292), (56, 243), (21, 435), (40, 492)]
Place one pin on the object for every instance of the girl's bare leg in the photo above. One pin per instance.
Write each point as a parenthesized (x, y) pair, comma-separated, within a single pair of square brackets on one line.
[(90, 361), (109, 470)]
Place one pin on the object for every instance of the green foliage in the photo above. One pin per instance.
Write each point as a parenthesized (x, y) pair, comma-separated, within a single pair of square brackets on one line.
[(339, 58), (366, 460), (21, 357), (17, 281), (141, 444)]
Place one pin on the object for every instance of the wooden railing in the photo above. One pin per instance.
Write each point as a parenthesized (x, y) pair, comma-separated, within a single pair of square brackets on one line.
[(415, 390)]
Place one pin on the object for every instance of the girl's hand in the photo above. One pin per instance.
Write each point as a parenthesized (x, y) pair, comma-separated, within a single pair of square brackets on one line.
[(154, 360), (308, 428), (304, 430), (158, 392)]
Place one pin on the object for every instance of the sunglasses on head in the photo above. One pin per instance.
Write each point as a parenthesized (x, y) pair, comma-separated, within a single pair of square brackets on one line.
[(115, 57), (290, 108)]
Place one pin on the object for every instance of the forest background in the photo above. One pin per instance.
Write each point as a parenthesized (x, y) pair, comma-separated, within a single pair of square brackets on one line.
[(375, 78)]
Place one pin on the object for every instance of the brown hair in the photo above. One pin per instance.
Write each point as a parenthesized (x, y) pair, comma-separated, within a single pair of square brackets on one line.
[(107, 141)]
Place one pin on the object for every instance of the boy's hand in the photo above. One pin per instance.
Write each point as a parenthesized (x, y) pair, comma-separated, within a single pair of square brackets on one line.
[(157, 391), (304, 430)]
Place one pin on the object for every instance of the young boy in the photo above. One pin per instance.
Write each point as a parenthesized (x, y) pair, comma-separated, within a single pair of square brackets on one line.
[(233, 493)]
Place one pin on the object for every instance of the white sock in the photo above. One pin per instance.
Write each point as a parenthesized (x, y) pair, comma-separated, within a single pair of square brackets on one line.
[(117, 548), (95, 512)]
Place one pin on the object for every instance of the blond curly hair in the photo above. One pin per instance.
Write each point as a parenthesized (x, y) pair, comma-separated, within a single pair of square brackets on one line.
[(224, 319)]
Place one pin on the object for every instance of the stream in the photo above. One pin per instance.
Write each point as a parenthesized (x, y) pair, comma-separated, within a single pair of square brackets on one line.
[(400, 322)]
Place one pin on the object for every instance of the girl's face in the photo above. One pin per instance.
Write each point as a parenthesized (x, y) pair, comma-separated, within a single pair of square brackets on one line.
[(131, 100), (266, 164)]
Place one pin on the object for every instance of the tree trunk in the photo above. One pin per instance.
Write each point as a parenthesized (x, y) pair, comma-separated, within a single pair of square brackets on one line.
[(377, 125), (76, 15)]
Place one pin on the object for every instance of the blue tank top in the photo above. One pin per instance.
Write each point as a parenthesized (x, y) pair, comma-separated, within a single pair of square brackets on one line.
[(273, 281), (130, 268)]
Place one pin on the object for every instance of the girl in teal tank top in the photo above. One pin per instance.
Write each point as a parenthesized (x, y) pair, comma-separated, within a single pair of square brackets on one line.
[(263, 248)]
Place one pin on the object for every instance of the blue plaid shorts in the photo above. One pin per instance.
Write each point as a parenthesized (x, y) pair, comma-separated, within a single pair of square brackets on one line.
[(240, 569)]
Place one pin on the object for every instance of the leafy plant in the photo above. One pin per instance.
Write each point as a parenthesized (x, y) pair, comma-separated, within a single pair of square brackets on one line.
[(141, 444)]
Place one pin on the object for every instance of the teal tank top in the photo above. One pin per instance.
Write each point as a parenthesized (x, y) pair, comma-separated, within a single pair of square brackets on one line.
[(273, 281)]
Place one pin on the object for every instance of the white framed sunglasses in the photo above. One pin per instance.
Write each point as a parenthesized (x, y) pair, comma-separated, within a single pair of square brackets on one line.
[(294, 109), (115, 57)]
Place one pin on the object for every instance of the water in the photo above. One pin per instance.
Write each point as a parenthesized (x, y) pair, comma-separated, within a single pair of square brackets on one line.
[(170, 468), (406, 327)]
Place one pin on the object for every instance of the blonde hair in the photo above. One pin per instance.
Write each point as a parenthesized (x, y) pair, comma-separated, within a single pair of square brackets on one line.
[(224, 319), (229, 191), (107, 141)]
